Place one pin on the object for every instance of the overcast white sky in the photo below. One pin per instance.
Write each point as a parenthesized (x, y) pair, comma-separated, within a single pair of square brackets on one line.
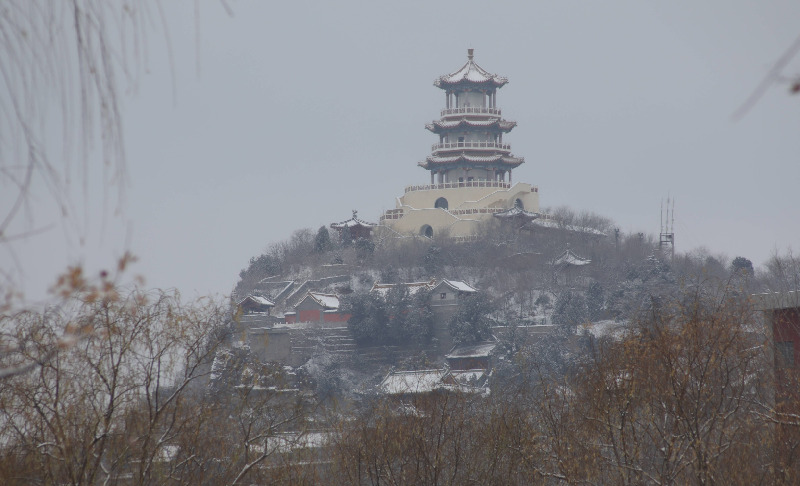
[(303, 111)]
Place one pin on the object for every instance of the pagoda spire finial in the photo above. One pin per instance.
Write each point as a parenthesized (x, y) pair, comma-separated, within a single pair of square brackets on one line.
[(470, 53), (355, 213)]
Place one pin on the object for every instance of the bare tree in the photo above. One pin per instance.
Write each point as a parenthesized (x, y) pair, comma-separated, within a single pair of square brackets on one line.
[(112, 404), (65, 66)]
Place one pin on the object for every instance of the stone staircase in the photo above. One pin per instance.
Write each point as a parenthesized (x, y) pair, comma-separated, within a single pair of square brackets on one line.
[(337, 341)]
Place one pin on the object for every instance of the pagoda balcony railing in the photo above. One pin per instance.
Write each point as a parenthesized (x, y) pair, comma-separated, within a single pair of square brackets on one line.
[(392, 214), (477, 110), (470, 145), (456, 185)]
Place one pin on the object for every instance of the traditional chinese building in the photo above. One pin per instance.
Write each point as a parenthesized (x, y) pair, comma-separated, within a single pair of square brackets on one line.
[(568, 267), (317, 307), (471, 357), (470, 166), (354, 228), (254, 304), (517, 217)]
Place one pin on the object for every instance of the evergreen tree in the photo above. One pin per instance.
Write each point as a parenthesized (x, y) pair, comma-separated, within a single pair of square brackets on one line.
[(471, 323), (594, 301), (399, 318), (569, 311), (364, 248), (742, 265), (368, 317), (432, 261), (419, 320), (322, 242)]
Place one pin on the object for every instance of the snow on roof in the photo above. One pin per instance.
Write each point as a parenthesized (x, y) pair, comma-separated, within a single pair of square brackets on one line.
[(329, 301), (422, 381), (516, 212), (457, 285), (258, 300), (413, 287), (435, 159), (569, 258), (463, 287), (481, 350), (509, 161), (552, 223), (470, 73), (606, 328), (354, 221), (465, 122)]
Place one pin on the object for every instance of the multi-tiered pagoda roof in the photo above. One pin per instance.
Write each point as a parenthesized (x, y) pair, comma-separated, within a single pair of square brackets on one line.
[(439, 126), (470, 74), (471, 127)]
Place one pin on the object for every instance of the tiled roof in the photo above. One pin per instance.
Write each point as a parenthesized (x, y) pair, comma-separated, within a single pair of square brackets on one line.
[(413, 287), (516, 212), (354, 221), (258, 300), (552, 223), (475, 159), (422, 381), (569, 258), (474, 351), (329, 301), (458, 285), (437, 125), (470, 73)]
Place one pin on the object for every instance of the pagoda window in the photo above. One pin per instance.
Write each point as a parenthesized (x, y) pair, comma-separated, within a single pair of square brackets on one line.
[(460, 179), (470, 179), (426, 231), (518, 204), (441, 203), (460, 141)]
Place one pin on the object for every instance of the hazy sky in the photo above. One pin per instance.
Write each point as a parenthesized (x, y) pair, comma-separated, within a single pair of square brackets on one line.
[(303, 111)]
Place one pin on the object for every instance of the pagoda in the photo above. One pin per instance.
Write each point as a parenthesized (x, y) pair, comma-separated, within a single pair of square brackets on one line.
[(354, 228), (470, 167)]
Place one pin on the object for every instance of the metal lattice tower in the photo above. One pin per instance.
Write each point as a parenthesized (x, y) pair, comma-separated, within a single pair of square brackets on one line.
[(666, 237)]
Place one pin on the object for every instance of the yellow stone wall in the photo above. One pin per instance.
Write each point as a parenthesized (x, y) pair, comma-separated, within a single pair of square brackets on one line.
[(418, 208)]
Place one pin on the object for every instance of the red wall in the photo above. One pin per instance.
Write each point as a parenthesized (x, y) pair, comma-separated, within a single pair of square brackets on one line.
[(336, 317), (786, 327), (311, 315), (314, 315)]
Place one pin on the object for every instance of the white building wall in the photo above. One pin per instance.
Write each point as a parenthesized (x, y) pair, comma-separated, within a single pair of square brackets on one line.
[(418, 208)]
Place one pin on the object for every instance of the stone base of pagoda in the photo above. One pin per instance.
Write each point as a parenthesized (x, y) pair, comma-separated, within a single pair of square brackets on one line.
[(455, 211)]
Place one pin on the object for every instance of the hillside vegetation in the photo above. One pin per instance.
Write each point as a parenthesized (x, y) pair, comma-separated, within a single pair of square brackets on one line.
[(657, 370)]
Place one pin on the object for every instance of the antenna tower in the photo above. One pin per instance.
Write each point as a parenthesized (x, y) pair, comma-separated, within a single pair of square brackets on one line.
[(666, 237)]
